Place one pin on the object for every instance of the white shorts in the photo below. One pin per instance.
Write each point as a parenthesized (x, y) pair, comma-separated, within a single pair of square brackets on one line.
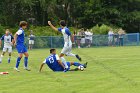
[(110, 39), (82, 40), (7, 48), (66, 50), (31, 42)]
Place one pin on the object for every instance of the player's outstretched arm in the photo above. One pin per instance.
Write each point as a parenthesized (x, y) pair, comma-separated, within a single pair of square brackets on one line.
[(52, 26), (41, 67)]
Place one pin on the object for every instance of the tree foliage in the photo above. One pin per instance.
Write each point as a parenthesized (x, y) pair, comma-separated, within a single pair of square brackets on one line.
[(77, 13)]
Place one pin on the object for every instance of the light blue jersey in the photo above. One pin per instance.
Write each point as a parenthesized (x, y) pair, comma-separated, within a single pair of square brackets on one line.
[(67, 36), (7, 40)]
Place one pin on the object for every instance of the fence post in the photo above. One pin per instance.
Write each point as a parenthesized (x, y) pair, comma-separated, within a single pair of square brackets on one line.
[(51, 41), (138, 39)]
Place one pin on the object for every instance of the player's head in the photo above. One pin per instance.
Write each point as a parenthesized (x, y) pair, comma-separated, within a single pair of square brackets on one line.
[(7, 31), (52, 51), (62, 23), (23, 24)]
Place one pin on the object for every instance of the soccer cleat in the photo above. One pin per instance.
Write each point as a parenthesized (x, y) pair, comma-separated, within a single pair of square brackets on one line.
[(85, 65), (27, 69), (78, 57), (17, 69), (8, 60)]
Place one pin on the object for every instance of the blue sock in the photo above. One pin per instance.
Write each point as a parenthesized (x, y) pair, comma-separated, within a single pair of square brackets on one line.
[(18, 61), (25, 61), (76, 64)]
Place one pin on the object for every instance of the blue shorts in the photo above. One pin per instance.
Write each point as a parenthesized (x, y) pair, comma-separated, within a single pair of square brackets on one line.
[(21, 48)]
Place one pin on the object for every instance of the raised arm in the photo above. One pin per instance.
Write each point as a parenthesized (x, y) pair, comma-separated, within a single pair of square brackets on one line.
[(52, 26)]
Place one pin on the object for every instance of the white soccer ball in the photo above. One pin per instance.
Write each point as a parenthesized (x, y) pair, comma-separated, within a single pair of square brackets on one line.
[(81, 67)]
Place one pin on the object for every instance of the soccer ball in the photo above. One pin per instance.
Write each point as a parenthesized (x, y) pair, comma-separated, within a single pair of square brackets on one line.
[(81, 67)]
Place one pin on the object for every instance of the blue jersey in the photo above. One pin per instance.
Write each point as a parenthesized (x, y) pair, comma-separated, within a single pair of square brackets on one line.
[(20, 38), (20, 41), (52, 62)]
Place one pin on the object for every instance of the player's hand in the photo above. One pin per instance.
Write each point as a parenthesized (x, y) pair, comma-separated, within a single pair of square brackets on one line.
[(49, 23)]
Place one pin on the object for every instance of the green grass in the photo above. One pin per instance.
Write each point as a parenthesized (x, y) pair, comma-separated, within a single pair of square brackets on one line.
[(110, 70)]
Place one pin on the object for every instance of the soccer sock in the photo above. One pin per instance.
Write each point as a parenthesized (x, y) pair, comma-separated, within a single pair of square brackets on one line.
[(18, 61), (64, 62), (9, 58), (1, 57), (76, 64), (25, 61), (70, 54)]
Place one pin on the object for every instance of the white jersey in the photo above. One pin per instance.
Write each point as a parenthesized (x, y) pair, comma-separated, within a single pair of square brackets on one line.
[(110, 34), (67, 36), (7, 40)]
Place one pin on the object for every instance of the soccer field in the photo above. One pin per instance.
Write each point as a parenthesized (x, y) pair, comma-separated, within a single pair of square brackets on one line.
[(110, 70)]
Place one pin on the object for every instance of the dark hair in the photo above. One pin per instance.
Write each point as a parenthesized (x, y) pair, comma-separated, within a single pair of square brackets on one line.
[(22, 23), (52, 50), (62, 23)]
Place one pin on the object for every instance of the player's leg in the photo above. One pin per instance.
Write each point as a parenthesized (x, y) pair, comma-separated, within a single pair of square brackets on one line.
[(3, 52), (10, 52), (63, 52), (18, 61), (69, 53), (29, 44), (26, 59), (20, 55), (32, 44), (63, 60), (78, 64)]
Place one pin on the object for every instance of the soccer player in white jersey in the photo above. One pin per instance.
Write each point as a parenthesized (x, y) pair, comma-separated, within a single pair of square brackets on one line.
[(8, 42), (67, 41)]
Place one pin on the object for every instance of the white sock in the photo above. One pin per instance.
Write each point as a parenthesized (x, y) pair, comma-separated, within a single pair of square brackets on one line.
[(1, 57), (9, 58), (70, 54), (64, 62)]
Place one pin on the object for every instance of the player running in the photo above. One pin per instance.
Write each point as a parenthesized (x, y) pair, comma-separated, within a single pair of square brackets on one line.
[(19, 42), (8, 42), (55, 64), (67, 42)]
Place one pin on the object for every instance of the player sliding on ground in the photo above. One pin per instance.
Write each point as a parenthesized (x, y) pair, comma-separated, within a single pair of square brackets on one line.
[(55, 64), (8, 42), (19, 43), (68, 42)]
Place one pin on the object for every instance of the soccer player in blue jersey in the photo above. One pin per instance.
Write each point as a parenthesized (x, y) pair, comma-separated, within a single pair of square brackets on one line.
[(55, 64), (8, 43), (67, 42), (21, 48)]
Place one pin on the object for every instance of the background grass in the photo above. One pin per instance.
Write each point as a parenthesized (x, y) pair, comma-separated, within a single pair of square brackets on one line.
[(110, 70)]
